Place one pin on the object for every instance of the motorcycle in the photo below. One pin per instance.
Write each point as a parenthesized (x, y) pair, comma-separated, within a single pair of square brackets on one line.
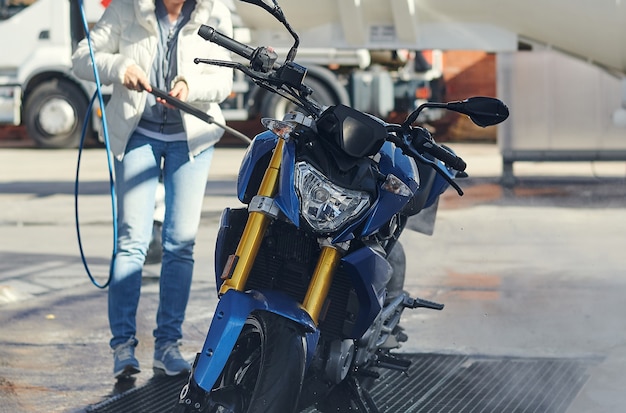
[(310, 296)]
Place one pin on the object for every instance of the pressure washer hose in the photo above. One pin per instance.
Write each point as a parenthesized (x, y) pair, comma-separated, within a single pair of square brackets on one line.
[(105, 134), (158, 93)]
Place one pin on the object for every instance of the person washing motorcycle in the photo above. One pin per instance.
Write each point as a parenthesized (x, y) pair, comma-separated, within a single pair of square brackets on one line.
[(139, 44)]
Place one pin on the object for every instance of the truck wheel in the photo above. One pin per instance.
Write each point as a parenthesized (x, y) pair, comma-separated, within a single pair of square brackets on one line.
[(275, 106), (54, 113)]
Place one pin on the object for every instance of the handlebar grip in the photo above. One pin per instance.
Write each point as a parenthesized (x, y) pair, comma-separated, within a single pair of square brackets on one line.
[(445, 156), (210, 34)]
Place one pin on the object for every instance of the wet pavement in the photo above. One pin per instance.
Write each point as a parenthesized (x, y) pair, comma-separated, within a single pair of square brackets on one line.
[(537, 270)]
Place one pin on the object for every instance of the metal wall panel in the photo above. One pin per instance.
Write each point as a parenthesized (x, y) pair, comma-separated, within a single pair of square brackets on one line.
[(561, 107)]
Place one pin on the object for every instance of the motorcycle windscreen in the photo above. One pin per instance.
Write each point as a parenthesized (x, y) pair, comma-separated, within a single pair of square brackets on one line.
[(356, 133)]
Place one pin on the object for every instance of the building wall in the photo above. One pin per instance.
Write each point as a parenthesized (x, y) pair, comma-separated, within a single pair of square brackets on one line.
[(467, 73), (559, 105)]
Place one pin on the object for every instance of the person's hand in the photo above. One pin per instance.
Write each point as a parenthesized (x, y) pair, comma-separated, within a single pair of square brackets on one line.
[(179, 91), (136, 79)]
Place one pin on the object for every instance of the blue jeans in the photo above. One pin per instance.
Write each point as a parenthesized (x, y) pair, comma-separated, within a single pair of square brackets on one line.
[(136, 180)]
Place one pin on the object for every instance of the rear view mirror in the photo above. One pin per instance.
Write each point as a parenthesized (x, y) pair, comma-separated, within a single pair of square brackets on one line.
[(483, 111), (262, 3), (270, 6)]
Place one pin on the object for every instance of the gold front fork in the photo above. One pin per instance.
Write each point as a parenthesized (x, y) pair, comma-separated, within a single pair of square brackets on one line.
[(238, 267), (320, 282)]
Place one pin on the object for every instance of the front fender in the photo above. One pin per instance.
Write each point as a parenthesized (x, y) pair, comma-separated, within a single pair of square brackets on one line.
[(230, 316)]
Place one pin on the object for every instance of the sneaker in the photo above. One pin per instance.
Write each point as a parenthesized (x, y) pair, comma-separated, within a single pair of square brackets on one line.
[(124, 362), (167, 359)]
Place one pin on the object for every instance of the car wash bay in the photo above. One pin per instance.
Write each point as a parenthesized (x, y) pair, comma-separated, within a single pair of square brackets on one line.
[(532, 280)]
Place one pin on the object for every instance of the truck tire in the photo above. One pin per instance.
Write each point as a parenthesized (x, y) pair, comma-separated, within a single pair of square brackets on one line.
[(275, 106), (54, 113)]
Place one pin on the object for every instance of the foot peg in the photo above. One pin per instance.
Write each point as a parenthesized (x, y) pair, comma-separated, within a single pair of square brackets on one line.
[(389, 362), (418, 302)]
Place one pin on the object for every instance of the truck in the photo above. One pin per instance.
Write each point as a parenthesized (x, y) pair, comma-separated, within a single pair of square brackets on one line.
[(37, 87), (365, 53), (39, 91), (381, 79), (560, 64)]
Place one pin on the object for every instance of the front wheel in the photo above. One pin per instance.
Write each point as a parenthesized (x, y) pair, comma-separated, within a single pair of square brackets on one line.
[(264, 372)]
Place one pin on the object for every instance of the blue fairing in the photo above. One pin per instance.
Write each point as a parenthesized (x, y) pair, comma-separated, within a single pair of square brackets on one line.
[(262, 144), (286, 199), (369, 273), (392, 161), (439, 186), (230, 316)]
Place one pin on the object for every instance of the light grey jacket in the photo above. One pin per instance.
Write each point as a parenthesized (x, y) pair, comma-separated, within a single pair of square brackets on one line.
[(126, 34)]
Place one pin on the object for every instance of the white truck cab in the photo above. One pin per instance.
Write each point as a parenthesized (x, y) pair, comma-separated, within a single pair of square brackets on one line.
[(37, 88)]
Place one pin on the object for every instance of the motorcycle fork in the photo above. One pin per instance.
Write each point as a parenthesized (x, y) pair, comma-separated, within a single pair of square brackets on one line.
[(320, 282), (238, 266)]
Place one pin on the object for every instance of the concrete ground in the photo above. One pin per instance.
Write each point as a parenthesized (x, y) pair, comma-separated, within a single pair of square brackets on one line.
[(537, 270)]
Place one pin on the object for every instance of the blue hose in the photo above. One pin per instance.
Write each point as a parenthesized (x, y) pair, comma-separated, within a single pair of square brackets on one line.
[(105, 133)]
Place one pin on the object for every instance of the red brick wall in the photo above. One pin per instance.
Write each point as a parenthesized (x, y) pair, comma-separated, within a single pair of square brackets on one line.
[(466, 74), (469, 73)]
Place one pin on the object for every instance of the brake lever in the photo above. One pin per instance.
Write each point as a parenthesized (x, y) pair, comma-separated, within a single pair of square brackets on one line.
[(421, 158), (222, 63), (234, 65), (398, 137), (273, 81)]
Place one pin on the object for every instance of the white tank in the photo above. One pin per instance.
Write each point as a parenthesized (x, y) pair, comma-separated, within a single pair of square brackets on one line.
[(593, 30)]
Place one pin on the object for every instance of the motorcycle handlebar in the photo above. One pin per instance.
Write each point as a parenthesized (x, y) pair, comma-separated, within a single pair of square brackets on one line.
[(262, 59), (266, 59), (210, 34), (445, 156), (420, 140)]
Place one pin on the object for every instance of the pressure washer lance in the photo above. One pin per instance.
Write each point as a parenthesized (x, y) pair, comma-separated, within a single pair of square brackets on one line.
[(192, 110)]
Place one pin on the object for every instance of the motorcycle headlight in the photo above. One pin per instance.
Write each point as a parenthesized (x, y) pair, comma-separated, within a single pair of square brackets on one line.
[(324, 205)]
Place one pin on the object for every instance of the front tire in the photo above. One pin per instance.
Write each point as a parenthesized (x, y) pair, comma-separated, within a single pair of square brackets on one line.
[(265, 370)]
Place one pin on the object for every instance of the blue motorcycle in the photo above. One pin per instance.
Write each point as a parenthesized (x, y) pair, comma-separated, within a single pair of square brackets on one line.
[(310, 274)]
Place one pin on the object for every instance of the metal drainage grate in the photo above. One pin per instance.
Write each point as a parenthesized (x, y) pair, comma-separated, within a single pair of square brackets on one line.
[(459, 384), (158, 395), (436, 383)]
